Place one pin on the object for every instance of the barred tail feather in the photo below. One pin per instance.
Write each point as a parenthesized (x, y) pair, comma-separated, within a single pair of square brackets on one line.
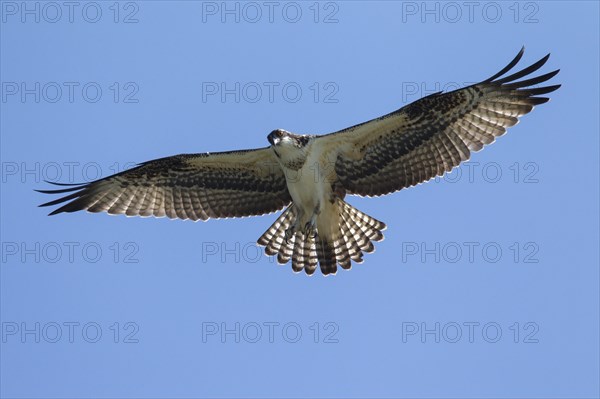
[(353, 248), (313, 260), (343, 253), (275, 235), (326, 252), (286, 250), (300, 255)]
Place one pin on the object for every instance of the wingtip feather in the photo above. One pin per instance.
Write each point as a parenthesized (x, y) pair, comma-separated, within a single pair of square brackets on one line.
[(508, 67)]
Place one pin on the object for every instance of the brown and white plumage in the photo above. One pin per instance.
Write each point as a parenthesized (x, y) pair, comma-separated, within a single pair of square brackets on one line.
[(313, 174), (194, 186), (432, 135)]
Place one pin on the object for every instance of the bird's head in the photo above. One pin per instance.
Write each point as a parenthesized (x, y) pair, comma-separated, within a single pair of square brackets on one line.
[(278, 137), (290, 148), (283, 138)]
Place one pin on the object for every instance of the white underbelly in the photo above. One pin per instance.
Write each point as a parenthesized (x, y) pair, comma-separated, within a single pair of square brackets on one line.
[(305, 190), (308, 189)]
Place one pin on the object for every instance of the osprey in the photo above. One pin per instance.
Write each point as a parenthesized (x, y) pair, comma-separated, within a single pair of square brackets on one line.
[(310, 175)]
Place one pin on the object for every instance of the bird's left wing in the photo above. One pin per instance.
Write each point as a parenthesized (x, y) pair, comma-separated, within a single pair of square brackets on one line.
[(188, 186), (434, 134)]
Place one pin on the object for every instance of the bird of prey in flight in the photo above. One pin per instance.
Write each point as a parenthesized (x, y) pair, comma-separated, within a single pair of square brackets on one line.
[(310, 175)]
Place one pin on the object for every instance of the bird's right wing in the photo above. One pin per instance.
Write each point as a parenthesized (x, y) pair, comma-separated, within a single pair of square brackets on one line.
[(189, 186)]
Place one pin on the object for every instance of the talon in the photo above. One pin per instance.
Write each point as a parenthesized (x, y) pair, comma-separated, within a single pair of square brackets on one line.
[(306, 229), (309, 230), (289, 233)]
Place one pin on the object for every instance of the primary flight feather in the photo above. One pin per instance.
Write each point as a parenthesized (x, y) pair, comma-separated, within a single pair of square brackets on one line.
[(310, 175)]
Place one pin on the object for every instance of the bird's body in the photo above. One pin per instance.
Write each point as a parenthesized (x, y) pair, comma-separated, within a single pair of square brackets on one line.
[(305, 167), (299, 161), (310, 175)]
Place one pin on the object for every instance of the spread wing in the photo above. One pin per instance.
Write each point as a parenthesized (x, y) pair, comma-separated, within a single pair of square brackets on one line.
[(189, 186), (434, 134)]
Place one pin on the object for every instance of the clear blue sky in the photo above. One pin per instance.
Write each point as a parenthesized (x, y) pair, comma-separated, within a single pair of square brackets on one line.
[(485, 286)]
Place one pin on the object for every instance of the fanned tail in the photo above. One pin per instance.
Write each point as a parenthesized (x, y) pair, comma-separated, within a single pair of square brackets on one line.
[(339, 240)]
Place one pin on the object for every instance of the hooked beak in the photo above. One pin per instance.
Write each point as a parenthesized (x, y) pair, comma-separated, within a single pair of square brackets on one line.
[(273, 140)]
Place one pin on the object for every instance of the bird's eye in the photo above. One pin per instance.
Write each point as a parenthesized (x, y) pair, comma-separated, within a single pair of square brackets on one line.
[(279, 133)]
